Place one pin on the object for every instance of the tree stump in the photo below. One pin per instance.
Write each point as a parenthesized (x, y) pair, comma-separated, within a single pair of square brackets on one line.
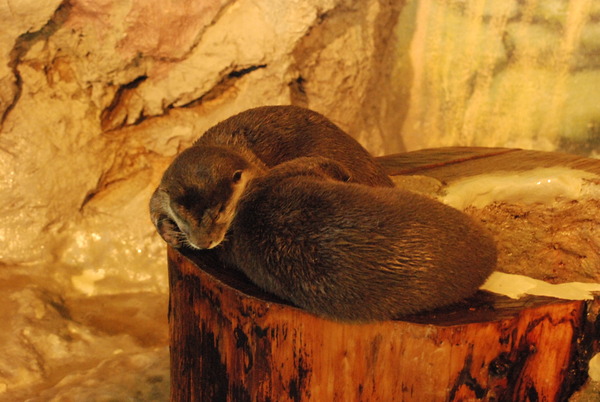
[(232, 341)]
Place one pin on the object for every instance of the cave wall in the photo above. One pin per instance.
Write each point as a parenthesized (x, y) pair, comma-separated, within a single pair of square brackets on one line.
[(98, 96), (505, 73)]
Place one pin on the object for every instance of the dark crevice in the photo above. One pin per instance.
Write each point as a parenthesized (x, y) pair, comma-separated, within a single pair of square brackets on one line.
[(114, 117), (134, 84), (317, 37), (93, 192), (584, 346), (244, 71), (18, 84), (109, 118), (22, 45), (102, 185), (226, 82), (88, 197), (465, 378), (298, 95)]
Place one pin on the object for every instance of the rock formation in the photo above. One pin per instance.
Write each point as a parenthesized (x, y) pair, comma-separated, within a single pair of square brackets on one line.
[(96, 97)]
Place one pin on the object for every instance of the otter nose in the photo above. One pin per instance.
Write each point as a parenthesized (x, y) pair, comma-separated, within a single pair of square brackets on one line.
[(204, 240), (199, 244)]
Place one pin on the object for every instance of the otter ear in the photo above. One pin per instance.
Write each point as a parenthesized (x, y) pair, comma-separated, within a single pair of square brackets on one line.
[(237, 176)]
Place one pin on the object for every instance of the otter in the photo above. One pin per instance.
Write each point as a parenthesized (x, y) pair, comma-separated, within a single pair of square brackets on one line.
[(345, 251), (276, 134), (198, 216), (351, 252), (197, 198)]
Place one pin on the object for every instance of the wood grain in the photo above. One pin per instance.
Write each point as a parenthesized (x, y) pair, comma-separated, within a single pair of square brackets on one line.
[(232, 344), (453, 163), (232, 341)]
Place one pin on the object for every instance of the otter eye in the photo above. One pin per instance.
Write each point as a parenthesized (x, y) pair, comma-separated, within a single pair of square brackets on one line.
[(237, 176)]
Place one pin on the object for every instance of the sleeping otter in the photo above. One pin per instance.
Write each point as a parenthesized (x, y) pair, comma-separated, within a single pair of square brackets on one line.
[(265, 137), (276, 134), (352, 252), (341, 250)]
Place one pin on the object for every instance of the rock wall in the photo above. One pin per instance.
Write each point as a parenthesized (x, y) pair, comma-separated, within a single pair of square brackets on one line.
[(505, 73), (97, 96)]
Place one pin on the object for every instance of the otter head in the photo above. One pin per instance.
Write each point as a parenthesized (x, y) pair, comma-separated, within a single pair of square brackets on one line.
[(198, 195)]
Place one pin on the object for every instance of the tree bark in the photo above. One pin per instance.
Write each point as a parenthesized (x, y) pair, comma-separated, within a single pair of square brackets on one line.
[(231, 341)]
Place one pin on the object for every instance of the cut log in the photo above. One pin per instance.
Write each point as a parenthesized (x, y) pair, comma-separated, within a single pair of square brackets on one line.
[(232, 341)]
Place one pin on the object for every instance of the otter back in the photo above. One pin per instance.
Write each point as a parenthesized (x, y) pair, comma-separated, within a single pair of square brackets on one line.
[(276, 134), (353, 252)]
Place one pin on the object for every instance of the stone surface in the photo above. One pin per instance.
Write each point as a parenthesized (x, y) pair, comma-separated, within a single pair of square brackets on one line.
[(510, 73), (96, 97)]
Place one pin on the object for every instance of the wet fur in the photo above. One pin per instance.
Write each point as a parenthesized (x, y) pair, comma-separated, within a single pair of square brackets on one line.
[(330, 235), (197, 198), (353, 252), (195, 201), (276, 134)]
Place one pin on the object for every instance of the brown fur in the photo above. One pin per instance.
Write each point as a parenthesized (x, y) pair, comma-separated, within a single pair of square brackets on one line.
[(353, 252), (276, 134), (308, 215), (195, 201)]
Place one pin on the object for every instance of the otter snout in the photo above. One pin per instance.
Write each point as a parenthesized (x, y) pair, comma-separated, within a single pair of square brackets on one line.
[(207, 241)]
